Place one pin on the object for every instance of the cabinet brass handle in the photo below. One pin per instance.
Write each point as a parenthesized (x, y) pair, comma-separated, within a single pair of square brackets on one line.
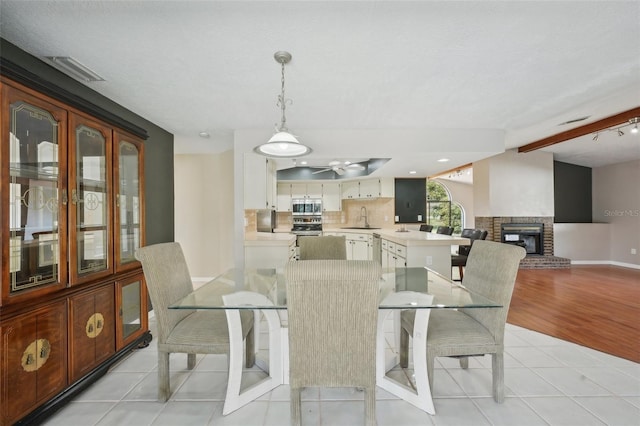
[(74, 197), (64, 197), (30, 359), (44, 352), (99, 324)]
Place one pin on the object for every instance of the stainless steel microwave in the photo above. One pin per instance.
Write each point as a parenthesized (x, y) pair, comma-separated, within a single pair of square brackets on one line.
[(306, 206)]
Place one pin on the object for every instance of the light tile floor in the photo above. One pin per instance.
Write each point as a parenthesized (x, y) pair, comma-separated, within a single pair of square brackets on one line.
[(548, 381)]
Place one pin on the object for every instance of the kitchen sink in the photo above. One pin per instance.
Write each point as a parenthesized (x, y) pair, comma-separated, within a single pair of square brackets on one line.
[(357, 227)]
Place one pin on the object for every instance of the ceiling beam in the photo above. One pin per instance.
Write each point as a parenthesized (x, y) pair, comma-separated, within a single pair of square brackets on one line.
[(596, 126)]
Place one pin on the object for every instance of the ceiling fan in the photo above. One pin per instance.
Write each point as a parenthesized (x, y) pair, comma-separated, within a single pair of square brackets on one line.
[(340, 167)]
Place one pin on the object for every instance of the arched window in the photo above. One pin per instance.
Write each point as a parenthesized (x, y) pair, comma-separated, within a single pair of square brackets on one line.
[(441, 211)]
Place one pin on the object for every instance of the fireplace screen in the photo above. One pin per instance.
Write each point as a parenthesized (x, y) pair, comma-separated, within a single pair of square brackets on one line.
[(527, 235)]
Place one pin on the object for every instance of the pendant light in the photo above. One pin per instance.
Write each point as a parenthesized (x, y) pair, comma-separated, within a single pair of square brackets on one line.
[(282, 144)]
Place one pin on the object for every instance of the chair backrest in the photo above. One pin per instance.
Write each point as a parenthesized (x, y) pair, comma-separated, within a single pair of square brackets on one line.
[(426, 228), (483, 234), (446, 230), (168, 280), (491, 272), (330, 247), (332, 310), (472, 235)]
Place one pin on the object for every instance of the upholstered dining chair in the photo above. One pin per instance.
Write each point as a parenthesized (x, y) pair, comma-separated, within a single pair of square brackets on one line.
[(183, 330), (459, 260), (491, 272), (329, 247), (333, 310), (445, 230), (426, 228)]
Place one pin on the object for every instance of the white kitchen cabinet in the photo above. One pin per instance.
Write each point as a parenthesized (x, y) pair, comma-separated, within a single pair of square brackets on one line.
[(331, 201), (283, 197), (298, 190), (358, 246), (314, 190), (259, 182), (350, 190), (368, 188)]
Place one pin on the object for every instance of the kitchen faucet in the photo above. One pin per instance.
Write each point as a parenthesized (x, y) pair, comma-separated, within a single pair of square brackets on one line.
[(363, 215)]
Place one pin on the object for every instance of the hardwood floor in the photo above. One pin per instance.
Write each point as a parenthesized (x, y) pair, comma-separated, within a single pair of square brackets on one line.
[(594, 306)]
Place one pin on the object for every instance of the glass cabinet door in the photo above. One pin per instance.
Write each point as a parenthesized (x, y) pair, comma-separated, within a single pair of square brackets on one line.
[(129, 202), (90, 211), (131, 300), (33, 195)]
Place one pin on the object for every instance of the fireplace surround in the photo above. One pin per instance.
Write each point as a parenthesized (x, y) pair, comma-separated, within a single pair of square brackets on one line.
[(545, 259)]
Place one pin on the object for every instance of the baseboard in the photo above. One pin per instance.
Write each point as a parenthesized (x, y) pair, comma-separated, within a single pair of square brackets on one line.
[(605, 262)]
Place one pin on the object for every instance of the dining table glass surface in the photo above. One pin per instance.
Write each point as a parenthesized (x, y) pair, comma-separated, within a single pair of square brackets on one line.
[(271, 284)]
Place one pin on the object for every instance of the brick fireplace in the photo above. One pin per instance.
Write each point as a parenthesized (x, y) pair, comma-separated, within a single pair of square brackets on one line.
[(543, 256)]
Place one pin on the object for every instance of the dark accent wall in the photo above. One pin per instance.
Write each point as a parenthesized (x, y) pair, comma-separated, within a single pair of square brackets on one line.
[(158, 147), (572, 193)]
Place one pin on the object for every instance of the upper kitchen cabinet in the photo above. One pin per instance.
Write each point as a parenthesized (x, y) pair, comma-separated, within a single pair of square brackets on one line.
[(331, 201), (34, 195), (260, 184), (328, 192), (410, 200), (368, 188), (283, 198)]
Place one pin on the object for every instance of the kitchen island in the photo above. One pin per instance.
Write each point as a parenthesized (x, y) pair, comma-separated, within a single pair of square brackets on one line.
[(268, 250), (408, 248)]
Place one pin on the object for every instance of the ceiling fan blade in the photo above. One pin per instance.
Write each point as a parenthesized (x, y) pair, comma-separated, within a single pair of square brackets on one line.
[(339, 170), (320, 171), (355, 166)]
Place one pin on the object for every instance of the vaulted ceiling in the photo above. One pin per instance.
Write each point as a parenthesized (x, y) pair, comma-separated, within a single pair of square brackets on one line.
[(436, 77)]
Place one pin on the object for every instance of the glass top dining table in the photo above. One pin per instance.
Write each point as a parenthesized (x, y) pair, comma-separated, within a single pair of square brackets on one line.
[(270, 283)]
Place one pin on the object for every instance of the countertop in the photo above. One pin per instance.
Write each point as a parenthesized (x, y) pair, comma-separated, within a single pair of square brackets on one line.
[(408, 238), (282, 236), (269, 239)]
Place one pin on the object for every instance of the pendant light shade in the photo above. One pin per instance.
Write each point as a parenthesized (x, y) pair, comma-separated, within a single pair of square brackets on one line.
[(282, 144)]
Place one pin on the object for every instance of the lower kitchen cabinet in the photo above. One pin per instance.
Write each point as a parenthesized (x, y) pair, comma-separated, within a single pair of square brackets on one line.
[(269, 254), (33, 360), (92, 330), (131, 303)]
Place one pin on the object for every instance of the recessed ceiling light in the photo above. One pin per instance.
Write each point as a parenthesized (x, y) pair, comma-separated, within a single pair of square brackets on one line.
[(443, 160), (412, 172), (203, 134)]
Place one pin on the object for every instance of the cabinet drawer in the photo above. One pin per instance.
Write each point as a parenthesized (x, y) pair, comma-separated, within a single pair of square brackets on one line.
[(401, 250)]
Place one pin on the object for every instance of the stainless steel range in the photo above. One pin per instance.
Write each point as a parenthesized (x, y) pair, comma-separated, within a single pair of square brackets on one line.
[(307, 216)]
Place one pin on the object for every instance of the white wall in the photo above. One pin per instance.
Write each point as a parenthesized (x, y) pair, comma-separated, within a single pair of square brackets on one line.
[(204, 211), (514, 184), (616, 201)]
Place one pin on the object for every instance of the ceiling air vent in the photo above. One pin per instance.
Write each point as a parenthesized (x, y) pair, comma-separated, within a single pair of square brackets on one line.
[(73, 68), (575, 120)]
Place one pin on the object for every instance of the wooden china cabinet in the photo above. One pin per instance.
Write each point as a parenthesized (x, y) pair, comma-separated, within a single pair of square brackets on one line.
[(73, 298)]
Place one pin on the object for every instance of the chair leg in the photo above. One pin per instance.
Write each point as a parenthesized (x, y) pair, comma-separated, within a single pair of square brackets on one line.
[(250, 352), (404, 348), (296, 406), (191, 361), (164, 387), (464, 362), (497, 367), (370, 406), (461, 271)]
